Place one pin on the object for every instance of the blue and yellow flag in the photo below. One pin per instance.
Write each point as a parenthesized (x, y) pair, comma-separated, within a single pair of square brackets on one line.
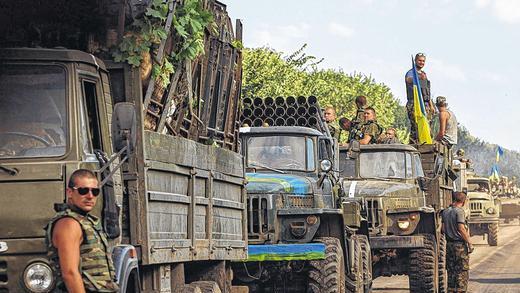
[(423, 127), (494, 173), (500, 152)]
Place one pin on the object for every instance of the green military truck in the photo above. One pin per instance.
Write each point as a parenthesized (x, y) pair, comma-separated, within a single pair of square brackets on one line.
[(302, 238), (389, 182), (484, 210), (173, 196)]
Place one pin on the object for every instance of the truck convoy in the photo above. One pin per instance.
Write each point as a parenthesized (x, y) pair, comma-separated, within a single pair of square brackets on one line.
[(302, 237), (165, 147), (401, 190)]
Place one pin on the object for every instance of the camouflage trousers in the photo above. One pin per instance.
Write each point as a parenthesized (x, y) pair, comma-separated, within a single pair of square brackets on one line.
[(413, 125), (457, 263)]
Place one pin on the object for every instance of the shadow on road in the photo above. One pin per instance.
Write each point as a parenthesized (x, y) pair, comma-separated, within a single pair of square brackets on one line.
[(497, 281)]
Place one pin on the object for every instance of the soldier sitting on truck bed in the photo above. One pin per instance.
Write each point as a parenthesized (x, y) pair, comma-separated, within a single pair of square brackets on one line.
[(447, 123), (370, 130), (77, 244)]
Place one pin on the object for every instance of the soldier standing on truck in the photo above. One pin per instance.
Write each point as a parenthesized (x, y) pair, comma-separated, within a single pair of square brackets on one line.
[(370, 130), (77, 244), (359, 119), (458, 244), (447, 123), (330, 118), (420, 60)]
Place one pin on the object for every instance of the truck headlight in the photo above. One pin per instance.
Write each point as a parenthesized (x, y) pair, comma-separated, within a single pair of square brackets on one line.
[(38, 277), (490, 211), (403, 224)]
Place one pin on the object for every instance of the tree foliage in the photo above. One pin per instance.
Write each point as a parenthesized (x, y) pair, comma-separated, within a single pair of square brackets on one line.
[(269, 73)]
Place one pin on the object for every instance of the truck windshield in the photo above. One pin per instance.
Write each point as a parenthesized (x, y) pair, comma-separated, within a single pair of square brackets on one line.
[(474, 186), (32, 111), (281, 152), (382, 165)]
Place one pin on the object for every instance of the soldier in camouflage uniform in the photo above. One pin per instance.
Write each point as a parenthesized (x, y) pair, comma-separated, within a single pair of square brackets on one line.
[(77, 244), (370, 131), (458, 245), (330, 118), (359, 119)]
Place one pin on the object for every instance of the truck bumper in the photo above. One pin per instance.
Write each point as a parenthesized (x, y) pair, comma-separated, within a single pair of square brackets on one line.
[(281, 252), (387, 242), (483, 220)]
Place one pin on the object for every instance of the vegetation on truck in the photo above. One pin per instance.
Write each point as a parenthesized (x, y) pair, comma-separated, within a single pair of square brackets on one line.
[(302, 238), (389, 182), (159, 129)]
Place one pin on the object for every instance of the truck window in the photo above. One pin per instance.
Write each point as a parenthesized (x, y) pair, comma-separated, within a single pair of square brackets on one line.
[(418, 166), (92, 110), (310, 154), (33, 119), (347, 166), (409, 171), (280, 152), (382, 165)]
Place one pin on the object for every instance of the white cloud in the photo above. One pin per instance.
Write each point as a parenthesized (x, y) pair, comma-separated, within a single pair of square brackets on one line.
[(507, 11), (340, 30), (284, 38), (442, 69)]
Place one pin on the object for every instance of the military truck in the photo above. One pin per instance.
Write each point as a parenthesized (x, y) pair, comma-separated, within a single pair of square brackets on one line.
[(484, 217), (389, 182), (302, 238), (173, 197)]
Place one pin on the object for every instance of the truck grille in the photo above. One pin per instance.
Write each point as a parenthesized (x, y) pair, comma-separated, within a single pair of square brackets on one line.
[(475, 206), (294, 201), (373, 213), (257, 215), (3, 277)]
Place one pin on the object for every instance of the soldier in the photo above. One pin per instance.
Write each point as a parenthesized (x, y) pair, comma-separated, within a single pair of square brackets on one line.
[(458, 244), (330, 118), (77, 245), (447, 123), (370, 130), (420, 60), (389, 137), (359, 119)]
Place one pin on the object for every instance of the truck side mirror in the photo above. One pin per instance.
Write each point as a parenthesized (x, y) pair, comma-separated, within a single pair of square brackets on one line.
[(439, 166), (423, 183), (124, 126)]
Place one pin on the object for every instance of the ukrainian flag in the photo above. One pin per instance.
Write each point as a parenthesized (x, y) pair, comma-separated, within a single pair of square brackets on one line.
[(423, 127), (500, 152), (494, 173)]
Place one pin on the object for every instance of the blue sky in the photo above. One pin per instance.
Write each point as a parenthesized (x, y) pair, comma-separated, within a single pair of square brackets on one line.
[(472, 48)]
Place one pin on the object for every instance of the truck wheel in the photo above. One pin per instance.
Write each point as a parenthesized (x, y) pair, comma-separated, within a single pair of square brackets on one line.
[(423, 267), (207, 286), (443, 274), (367, 264), (327, 275), (493, 234), (356, 277)]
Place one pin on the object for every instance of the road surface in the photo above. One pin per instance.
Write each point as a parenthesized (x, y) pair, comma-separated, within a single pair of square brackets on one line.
[(492, 269)]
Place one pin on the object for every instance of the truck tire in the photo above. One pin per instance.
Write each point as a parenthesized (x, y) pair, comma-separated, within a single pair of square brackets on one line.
[(355, 278), (443, 273), (492, 234), (327, 275), (367, 264), (423, 275), (207, 286)]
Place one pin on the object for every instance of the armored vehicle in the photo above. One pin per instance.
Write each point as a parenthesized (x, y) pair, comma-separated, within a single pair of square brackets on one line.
[(389, 182), (484, 217), (173, 196)]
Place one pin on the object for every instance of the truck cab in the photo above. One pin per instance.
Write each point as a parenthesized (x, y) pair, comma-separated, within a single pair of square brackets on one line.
[(484, 209), (55, 110)]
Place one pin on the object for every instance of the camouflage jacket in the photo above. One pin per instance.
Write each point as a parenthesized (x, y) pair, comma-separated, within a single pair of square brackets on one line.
[(334, 130), (96, 267), (369, 128)]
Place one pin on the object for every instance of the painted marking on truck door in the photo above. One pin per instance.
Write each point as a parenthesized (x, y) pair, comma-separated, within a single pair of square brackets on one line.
[(3, 247)]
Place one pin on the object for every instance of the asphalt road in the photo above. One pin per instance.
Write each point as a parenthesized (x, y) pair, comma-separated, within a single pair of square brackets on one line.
[(492, 269)]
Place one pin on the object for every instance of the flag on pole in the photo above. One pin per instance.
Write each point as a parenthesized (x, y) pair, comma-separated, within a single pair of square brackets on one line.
[(494, 173), (500, 152), (423, 127)]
